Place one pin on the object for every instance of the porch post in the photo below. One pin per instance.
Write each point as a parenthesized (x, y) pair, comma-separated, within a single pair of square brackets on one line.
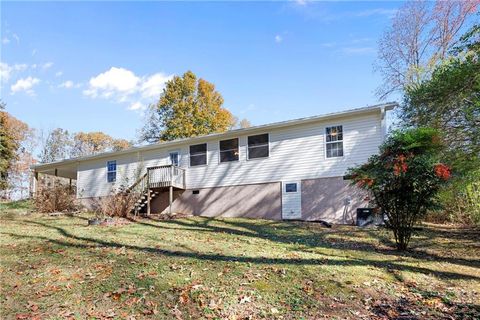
[(148, 192), (34, 185), (170, 198), (148, 202)]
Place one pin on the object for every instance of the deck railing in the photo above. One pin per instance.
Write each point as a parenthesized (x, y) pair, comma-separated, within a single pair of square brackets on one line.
[(166, 176)]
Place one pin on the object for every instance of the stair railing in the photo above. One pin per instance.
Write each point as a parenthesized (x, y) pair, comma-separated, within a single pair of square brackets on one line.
[(157, 177), (138, 189)]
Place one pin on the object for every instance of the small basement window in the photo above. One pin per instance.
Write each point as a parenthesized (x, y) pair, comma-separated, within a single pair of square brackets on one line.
[(198, 154), (111, 171), (229, 150), (196, 192), (334, 141), (291, 187), (258, 146)]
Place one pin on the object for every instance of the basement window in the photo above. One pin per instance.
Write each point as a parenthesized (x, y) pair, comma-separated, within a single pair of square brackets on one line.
[(291, 187), (229, 150), (198, 155), (258, 146), (111, 171), (334, 141)]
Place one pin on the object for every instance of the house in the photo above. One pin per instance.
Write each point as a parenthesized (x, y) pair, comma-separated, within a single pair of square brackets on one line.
[(286, 170)]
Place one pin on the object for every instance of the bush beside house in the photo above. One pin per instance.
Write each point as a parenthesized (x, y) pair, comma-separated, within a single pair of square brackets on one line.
[(404, 178)]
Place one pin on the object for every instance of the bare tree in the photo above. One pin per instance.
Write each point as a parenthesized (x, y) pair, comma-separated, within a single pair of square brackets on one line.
[(420, 37), (245, 123), (55, 145), (240, 124)]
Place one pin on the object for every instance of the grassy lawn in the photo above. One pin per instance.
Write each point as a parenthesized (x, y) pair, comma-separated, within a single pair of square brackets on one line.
[(60, 268)]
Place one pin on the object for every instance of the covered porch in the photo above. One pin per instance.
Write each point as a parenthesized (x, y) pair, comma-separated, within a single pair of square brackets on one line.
[(48, 175)]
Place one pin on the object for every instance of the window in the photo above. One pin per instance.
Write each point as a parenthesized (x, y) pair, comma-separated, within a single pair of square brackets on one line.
[(198, 154), (111, 171), (291, 187), (174, 158), (229, 150), (258, 146), (334, 141)]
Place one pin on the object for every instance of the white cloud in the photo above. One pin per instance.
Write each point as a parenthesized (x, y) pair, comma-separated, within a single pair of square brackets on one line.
[(137, 106), (328, 44), (67, 84), (124, 86), (25, 84), (377, 11), (153, 85), (7, 71), (114, 81), (20, 67), (301, 2), (358, 50), (5, 40), (16, 37), (355, 46), (47, 65), (278, 38), (58, 73)]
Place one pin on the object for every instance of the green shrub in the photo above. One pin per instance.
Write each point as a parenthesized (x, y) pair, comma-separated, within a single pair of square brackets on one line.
[(460, 201), (405, 178)]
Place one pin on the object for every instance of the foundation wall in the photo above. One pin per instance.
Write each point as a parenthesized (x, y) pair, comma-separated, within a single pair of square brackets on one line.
[(249, 201), (330, 199)]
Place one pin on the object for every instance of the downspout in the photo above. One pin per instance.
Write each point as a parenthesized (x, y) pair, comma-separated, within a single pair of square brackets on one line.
[(383, 122)]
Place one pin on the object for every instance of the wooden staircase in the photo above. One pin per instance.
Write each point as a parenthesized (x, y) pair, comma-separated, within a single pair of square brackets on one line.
[(153, 182), (142, 202)]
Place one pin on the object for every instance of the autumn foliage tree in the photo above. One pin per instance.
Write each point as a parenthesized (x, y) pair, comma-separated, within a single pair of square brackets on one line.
[(187, 107), (404, 178), (15, 159)]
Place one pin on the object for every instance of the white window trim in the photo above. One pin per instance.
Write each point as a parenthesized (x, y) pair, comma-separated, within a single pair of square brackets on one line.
[(206, 154), (259, 158), (220, 152), (178, 153), (106, 165), (325, 141)]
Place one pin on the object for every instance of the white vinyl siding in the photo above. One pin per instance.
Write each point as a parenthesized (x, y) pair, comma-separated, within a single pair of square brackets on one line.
[(293, 156)]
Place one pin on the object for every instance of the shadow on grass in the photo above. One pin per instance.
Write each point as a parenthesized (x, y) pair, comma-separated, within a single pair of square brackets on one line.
[(89, 242), (294, 233)]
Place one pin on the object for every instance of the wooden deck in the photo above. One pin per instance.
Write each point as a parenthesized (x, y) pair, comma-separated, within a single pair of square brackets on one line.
[(159, 177), (166, 176)]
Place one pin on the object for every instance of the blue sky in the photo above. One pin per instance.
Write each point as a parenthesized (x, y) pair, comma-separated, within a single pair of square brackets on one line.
[(94, 66)]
